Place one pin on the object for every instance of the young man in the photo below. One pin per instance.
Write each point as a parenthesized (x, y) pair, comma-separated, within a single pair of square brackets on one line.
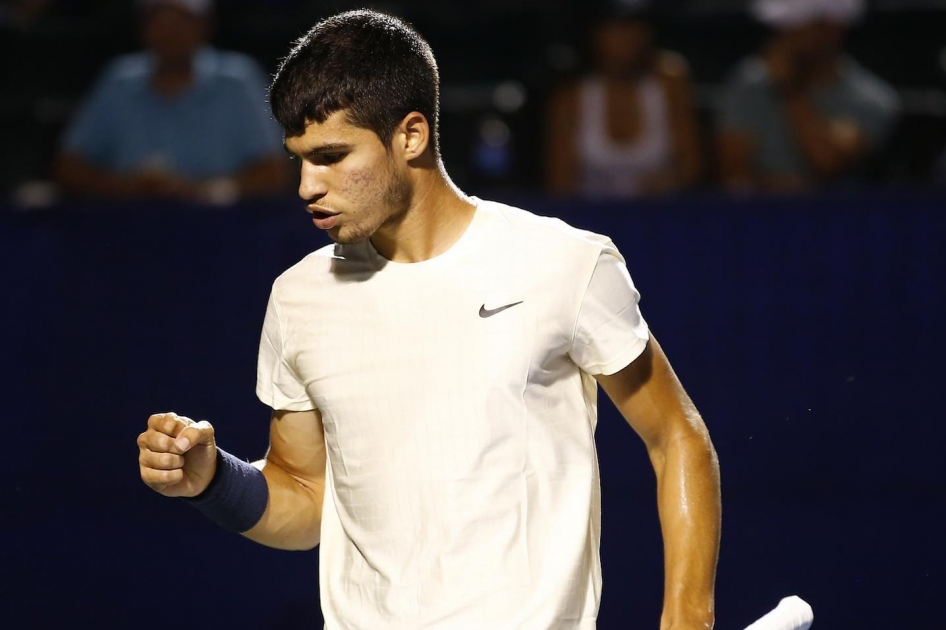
[(432, 379)]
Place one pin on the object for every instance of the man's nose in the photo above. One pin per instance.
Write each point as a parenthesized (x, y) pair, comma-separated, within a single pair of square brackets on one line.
[(312, 186)]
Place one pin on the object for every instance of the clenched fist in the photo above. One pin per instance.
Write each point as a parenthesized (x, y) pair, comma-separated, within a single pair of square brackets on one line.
[(177, 457)]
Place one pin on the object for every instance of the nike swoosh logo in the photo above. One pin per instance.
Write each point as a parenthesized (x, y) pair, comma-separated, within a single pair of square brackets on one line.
[(484, 312)]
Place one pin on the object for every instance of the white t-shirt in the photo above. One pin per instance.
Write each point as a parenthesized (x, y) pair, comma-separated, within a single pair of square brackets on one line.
[(459, 413)]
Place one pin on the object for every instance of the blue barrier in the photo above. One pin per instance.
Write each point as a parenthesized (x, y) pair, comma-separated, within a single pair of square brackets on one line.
[(809, 331)]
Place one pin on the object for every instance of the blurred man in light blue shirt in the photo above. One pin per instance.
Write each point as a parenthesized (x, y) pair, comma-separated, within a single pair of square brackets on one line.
[(180, 120)]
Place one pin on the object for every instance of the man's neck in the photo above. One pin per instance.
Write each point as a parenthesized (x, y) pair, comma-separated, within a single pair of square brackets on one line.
[(804, 74), (172, 79), (438, 216)]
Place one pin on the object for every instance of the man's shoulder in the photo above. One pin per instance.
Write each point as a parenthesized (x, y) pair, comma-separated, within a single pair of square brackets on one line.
[(316, 267), (529, 228), (124, 71), (228, 67), (867, 86)]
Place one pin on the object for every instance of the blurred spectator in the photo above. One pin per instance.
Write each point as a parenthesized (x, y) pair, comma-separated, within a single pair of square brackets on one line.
[(801, 113), (629, 127), (181, 120)]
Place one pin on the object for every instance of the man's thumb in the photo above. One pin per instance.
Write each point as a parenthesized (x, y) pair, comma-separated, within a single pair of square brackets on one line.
[(199, 433)]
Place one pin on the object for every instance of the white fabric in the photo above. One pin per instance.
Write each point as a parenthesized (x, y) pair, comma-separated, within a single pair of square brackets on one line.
[(611, 168), (791, 13), (462, 479)]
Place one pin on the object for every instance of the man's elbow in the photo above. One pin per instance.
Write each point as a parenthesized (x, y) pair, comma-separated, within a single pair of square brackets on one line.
[(696, 441), (289, 538), (689, 441), (303, 545)]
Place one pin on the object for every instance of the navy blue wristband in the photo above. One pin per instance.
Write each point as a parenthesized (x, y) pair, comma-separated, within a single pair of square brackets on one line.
[(237, 495)]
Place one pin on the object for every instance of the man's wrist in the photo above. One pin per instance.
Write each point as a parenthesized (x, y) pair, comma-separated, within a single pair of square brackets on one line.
[(703, 623), (689, 617), (236, 496)]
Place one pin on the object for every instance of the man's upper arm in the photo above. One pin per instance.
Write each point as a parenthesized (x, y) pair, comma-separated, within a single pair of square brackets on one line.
[(651, 398), (297, 444), (294, 468)]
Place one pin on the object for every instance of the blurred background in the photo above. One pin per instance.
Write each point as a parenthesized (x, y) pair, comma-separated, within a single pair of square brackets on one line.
[(501, 63), (774, 172)]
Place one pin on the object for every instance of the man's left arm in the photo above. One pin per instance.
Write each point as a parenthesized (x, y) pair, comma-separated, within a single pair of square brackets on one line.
[(652, 400)]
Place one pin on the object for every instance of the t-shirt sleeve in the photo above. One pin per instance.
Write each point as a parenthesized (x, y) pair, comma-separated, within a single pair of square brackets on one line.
[(277, 384), (610, 331)]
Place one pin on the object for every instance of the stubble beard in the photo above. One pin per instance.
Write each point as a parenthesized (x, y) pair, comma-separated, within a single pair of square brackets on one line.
[(395, 202)]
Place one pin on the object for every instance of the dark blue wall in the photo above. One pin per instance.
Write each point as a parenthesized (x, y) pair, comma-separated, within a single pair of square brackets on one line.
[(810, 332)]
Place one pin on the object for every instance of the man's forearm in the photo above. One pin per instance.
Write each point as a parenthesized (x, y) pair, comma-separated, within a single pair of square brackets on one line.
[(77, 176), (827, 153), (688, 497), (293, 516)]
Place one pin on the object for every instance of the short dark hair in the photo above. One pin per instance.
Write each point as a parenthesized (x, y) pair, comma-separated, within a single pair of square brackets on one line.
[(374, 65)]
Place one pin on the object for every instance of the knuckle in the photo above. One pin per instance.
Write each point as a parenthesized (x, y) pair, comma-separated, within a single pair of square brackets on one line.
[(170, 461), (146, 441), (147, 475), (159, 443), (159, 461), (156, 419)]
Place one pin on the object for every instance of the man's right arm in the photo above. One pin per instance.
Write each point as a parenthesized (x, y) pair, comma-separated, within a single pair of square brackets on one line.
[(294, 468), (830, 146), (179, 458)]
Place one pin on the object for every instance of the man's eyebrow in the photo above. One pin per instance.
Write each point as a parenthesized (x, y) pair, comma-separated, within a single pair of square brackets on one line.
[(330, 147)]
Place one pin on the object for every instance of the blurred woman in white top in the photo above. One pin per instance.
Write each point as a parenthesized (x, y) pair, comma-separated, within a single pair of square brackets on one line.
[(628, 128)]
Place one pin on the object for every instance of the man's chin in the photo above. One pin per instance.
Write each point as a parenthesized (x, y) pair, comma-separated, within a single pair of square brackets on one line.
[(346, 237)]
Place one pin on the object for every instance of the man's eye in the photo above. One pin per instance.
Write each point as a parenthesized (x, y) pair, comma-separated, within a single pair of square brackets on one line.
[(327, 158)]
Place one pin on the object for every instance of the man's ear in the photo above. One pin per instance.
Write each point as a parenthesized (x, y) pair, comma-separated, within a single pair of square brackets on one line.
[(412, 136)]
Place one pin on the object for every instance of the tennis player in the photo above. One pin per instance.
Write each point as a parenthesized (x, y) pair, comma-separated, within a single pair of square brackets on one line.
[(433, 379)]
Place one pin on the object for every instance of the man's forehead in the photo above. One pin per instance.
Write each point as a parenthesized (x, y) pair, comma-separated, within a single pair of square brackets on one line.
[(339, 119), (336, 128)]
